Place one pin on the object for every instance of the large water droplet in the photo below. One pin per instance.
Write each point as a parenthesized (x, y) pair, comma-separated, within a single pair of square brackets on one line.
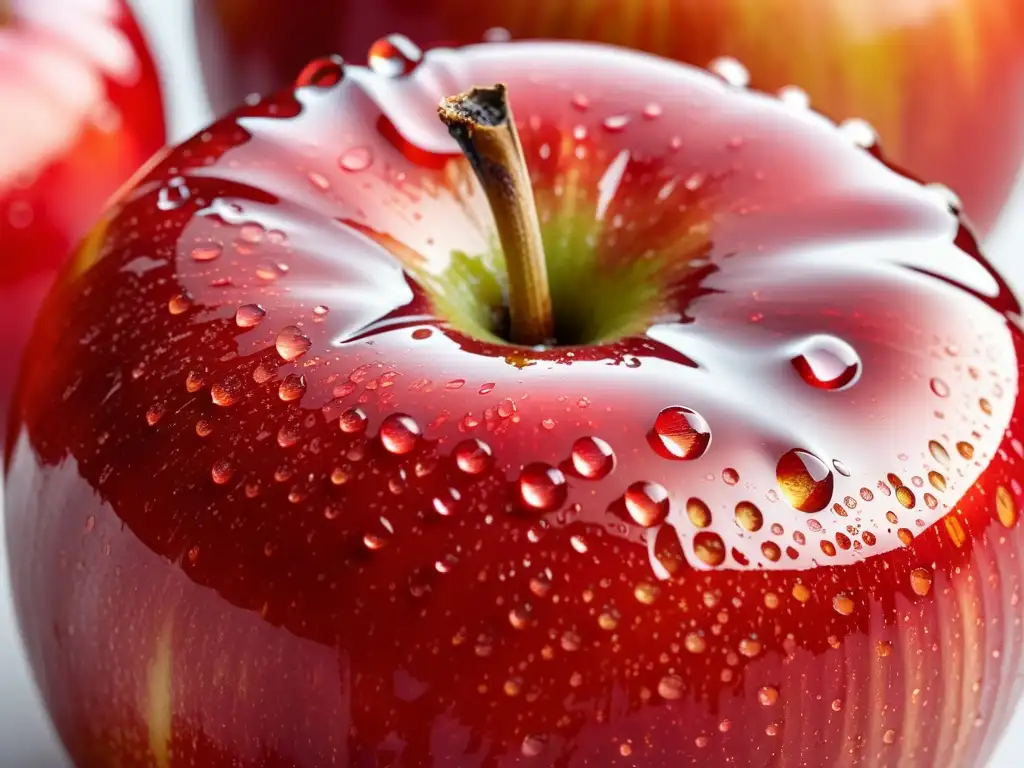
[(749, 517), (826, 362), (921, 581), (249, 315), (647, 503), (805, 480), (709, 548), (730, 70), (352, 421), (207, 252), (399, 433), (226, 391), (180, 303), (394, 56), (447, 502), (324, 72), (542, 487), (292, 388), (680, 433), (174, 195), (292, 343), (472, 456), (592, 457), (860, 132)]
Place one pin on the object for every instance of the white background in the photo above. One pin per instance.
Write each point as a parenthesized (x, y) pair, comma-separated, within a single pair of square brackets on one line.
[(26, 739)]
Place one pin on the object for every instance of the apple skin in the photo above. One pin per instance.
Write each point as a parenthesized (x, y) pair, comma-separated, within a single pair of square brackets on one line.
[(218, 561), (79, 79), (942, 81)]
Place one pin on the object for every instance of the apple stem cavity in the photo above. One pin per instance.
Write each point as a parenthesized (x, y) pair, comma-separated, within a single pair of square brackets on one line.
[(480, 120)]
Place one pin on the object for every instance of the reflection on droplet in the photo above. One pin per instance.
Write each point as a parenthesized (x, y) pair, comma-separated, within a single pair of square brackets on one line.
[(939, 387), (730, 70), (394, 56), (826, 362), (543, 487), (592, 458), (174, 195), (680, 433), (399, 433), (647, 503), (446, 503), (804, 480), (324, 72), (352, 421), (292, 343), (249, 315), (472, 456)]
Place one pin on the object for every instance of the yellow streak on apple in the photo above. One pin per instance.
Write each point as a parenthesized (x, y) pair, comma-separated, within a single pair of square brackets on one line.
[(160, 701)]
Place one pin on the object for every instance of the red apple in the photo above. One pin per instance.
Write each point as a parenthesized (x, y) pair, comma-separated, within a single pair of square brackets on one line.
[(82, 112), (940, 80), (281, 494)]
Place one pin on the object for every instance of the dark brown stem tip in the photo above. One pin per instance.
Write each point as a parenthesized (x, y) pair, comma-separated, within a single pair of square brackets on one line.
[(476, 108)]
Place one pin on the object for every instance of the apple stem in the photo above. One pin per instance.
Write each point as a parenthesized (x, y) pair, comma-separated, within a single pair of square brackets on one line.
[(480, 120)]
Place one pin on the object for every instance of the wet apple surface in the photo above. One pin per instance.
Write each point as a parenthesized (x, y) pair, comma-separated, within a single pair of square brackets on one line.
[(940, 80), (84, 113), (280, 494)]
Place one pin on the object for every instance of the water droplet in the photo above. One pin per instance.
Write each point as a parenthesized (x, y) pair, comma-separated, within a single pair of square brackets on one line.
[(841, 468), (730, 70), (768, 696), (352, 421), (905, 496), (937, 480), (249, 315), (543, 487), (965, 449), (938, 452), (270, 270), (292, 343), (939, 387), (533, 745), (446, 503), (843, 604), (292, 388), (356, 159), (794, 97), (592, 458), (695, 642), (709, 548), (826, 362), (615, 123), (698, 513), (394, 56), (801, 592), (472, 456), (860, 133), (319, 181), (671, 687), (155, 413), (945, 196), (730, 476), (222, 471), (174, 195), (1006, 507), (680, 433), (750, 647), (226, 391), (324, 72), (180, 303), (207, 252), (749, 517), (647, 503), (399, 433), (652, 110), (204, 427), (921, 581), (804, 480)]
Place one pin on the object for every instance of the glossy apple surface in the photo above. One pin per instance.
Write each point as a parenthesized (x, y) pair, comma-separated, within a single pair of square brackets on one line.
[(942, 81), (280, 495), (82, 112)]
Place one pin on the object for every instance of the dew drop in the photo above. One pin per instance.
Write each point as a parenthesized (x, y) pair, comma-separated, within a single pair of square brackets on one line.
[(207, 252), (399, 433), (670, 687), (647, 503), (825, 362), (1006, 507), (155, 413), (731, 71), (226, 391), (906, 497), (222, 471), (180, 303), (749, 517), (860, 133), (843, 604), (446, 503), (352, 421), (768, 696), (356, 159), (542, 487), (921, 581), (174, 195), (324, 72), (965, 449), (804, 480), (841, 468), (592, 458), (794, 97), (292, 343), (698, 513), (939, 387), (938, 452), (680, 433), (394, 56), (292, 388), (615, 123), (709, 548), (472, 456)]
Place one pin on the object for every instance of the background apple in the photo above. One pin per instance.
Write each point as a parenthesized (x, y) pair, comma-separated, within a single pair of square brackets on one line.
[(942, 81), (280, 495), (82, 112)]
